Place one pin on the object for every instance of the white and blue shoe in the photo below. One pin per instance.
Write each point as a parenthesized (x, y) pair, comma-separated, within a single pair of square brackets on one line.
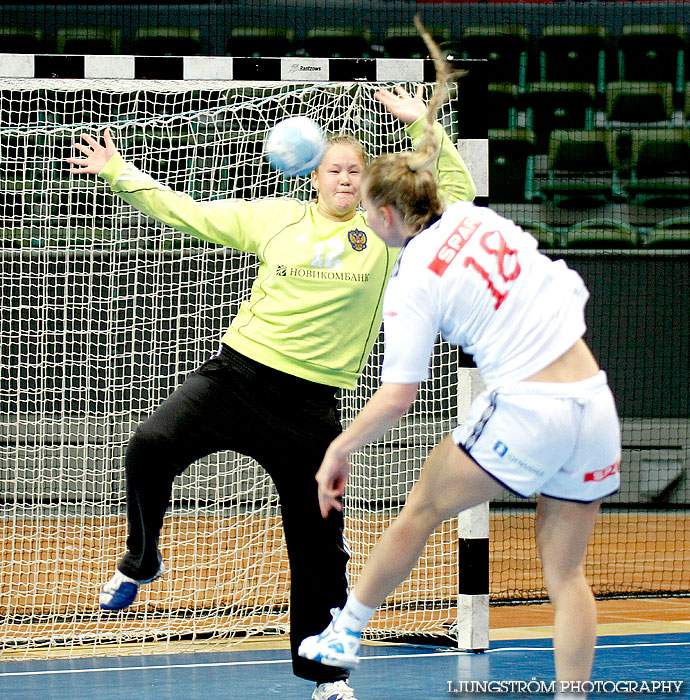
[(337, 690), (334, 646), (121, 591)]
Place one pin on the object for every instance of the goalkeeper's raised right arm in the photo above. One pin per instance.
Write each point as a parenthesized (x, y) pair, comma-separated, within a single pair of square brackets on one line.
[(234, 223)]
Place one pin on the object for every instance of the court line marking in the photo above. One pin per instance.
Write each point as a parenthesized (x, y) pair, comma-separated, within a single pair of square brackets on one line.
[(220, 664), (211, 664), (597, 646)]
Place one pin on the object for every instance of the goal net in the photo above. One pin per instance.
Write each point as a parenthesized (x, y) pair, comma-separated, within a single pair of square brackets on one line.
[(104, 312)]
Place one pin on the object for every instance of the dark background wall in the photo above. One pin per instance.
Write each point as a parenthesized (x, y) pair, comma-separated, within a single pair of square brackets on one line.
[(215, 20)]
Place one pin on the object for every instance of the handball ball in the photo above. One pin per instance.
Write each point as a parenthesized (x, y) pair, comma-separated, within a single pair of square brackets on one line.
[(295, 146)]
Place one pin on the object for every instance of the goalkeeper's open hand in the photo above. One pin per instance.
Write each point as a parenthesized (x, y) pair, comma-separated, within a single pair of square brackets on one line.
[(96, 156), (406, 107)]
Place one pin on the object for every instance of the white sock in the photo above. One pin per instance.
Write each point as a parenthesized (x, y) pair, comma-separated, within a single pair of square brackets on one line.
[(354, 615)]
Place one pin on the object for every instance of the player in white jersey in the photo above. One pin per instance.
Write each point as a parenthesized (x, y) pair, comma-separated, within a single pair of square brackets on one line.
[(546, 424)]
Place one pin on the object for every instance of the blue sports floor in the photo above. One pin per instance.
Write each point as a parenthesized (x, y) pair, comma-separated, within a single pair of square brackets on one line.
[(386, 673)]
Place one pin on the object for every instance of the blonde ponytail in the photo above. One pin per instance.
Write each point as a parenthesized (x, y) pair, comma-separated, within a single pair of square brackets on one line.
[(406, 181)]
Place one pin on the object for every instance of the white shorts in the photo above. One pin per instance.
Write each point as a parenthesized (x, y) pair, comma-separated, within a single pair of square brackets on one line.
[(560, 440)]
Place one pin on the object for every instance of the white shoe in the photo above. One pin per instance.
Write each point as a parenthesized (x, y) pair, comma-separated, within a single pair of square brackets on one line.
[(338, 690), (121, 591), (333, 647)]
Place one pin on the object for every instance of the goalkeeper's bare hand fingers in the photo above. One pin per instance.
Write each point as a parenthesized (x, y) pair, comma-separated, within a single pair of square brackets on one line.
[(97, 155), (403, 105), (108, 140), (81, 163)]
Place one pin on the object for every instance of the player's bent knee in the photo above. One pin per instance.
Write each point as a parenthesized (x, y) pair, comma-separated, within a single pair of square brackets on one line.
[(147, 441)]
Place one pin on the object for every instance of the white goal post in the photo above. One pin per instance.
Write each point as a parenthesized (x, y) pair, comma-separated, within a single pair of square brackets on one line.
[(104, 311)]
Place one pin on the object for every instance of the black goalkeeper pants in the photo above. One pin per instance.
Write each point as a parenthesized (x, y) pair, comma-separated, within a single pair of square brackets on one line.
[(285, 423)]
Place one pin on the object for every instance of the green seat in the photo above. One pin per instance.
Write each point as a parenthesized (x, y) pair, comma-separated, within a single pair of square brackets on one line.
[(573, 53), (654, 52), (255, 42), (686, 102), (338, 42), (551, 106), (660, 167), (671, 233), (601, 234), (511, 165), (502, 106), (506, 49), (53, 236), (581, 168), (16, 197), (21, 40), (76, 237), (405, 42), (639, 103), (174, 240), (19, 236), (167, 41), (89, 40)]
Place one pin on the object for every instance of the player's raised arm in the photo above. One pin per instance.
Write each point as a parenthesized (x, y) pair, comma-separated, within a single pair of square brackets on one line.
[(233, 223), (408, 108), (95, 155), (454, 179)]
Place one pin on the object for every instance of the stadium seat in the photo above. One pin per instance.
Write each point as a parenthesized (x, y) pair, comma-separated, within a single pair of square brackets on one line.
[(255, 42), (14, 201), (511, 165), (686, 111), (654, 52), (338, 42), (601, 233), (573, 53), (19, 237), (10, 237), (89, 40), (557, 105), (660, 167), (580, 168), (405, 42), (671, 233), (167, 41), (502, 106), (20, 40), (76, 236), (639, 103), (505, 47)]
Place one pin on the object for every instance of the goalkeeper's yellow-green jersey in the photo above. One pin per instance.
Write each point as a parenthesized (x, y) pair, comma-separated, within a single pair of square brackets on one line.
[(315, 306)]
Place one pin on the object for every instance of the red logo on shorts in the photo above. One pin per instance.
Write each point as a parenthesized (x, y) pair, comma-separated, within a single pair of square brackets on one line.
[(605, 473)]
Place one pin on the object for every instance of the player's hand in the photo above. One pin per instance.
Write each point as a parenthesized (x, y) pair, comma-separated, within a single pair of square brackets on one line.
[(332, 478), (96, 155), (408, 108)]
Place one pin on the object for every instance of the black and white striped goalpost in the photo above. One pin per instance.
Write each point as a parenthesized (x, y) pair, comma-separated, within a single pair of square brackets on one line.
[(473, 524), (473, 548)]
